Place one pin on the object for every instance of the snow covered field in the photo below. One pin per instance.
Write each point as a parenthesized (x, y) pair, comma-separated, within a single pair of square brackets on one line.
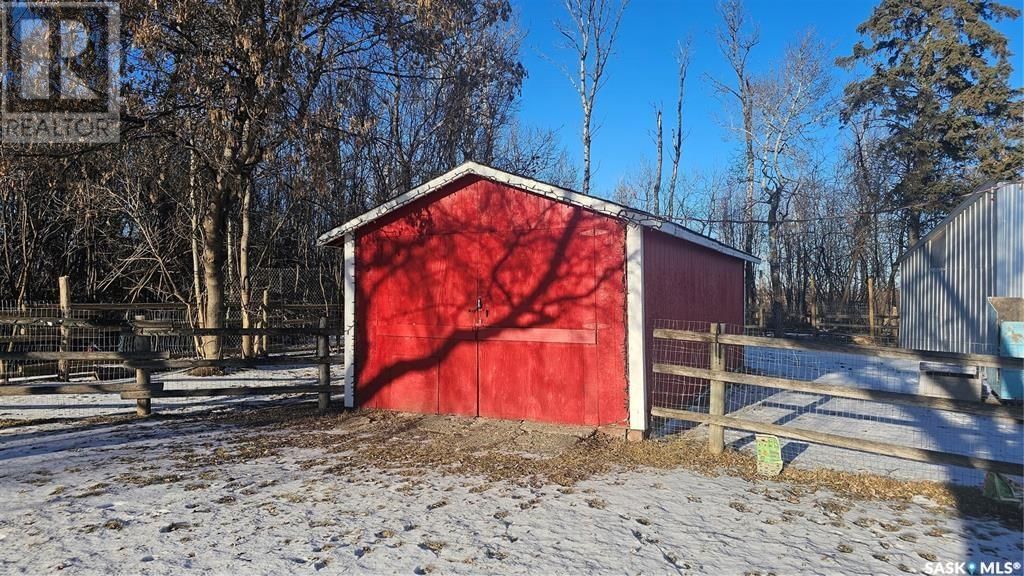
[(269, 488)]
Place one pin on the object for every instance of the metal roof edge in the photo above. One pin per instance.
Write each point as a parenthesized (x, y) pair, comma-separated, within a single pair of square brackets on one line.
[(970, 198)]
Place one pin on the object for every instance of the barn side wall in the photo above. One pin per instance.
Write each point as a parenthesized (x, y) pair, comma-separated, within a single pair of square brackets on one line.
[(943, 300), (690, 283)]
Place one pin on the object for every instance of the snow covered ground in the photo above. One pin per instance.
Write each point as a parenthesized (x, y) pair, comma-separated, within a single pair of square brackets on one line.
[(239, 487)]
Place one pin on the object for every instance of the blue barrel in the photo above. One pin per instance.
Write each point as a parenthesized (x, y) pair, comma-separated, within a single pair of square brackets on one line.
[(1011, 343)]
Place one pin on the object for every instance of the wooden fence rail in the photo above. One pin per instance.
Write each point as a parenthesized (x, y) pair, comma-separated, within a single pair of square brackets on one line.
[(144, 362), (82, 356), (860, 444), (719, 376), (156, 328), (983, 360), (838, 391)]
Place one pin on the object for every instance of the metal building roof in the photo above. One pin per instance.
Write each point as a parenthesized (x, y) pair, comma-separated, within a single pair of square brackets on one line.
[(970, 199), (592, 203)]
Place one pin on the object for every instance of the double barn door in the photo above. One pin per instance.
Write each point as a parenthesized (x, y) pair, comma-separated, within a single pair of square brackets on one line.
[(496, 323)]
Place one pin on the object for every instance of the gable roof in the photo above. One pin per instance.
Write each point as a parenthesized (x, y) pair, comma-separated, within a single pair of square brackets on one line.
[(556, 193)]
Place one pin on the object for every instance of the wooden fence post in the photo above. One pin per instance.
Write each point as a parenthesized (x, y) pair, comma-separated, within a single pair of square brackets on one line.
[(323, 352), (264, 347), (143, 406), (716, 406), (814, 305), (3, 363), (871, 306), (63, 373)]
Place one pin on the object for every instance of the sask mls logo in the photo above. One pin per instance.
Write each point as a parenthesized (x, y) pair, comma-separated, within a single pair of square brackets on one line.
[(61, 65), (972, 568)]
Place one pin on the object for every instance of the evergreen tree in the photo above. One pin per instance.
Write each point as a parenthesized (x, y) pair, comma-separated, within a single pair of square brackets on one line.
[(939, 92)]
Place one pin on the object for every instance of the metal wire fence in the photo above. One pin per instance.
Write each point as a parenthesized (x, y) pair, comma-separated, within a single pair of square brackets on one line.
[(912, 426), (47, 327), (151, 327)]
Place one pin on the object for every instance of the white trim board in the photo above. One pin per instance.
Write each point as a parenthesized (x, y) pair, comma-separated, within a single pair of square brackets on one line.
[(541, 188), (349, 318), (636, 331)]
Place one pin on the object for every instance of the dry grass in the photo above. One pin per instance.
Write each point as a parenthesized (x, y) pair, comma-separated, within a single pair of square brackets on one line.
[(504, 451), (398, 442), (79, 422), (150, 480)]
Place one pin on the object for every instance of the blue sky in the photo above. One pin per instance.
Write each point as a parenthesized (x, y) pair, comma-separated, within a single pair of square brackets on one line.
[(643, 72)]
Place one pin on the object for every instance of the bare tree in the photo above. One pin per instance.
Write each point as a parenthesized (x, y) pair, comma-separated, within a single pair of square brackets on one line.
[(683, 59), (535, 153), (591, 35), (636, 187), (736, 38), (656, 191), (790, 104)]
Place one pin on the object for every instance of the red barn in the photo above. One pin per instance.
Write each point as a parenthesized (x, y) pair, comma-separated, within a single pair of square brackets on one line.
[(483, 293)]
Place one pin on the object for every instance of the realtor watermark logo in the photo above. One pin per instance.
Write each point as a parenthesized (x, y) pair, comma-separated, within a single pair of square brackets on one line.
[(61, 72), (972, 568)]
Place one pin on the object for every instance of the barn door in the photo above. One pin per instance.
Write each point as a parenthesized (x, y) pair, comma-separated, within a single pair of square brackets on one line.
[(457, 390), (538, 327), (422, 353), (499, 324)]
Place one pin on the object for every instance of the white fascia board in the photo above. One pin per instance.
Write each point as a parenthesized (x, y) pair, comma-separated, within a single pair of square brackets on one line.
[(543, 189)]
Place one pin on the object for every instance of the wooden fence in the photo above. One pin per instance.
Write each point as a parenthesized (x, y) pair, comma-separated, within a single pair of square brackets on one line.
[(66, 326), (144, 389), (719, 377)]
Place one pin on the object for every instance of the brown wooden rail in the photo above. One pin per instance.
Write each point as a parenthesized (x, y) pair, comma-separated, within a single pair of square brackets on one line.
[(934, 402), (984, 360), (861, 444)]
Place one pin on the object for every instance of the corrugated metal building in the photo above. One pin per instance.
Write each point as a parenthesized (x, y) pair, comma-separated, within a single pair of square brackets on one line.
[(946, 278)]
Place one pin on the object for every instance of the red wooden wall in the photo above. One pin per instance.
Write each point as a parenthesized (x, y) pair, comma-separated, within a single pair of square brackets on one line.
[(686, 282), (486, 300)]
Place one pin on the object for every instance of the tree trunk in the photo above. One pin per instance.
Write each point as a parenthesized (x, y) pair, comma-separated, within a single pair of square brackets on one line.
[(677, 136), (197, 277), (244, 288), (657, 173), (778, 302), (214, 260), (748, 205), (586, 148), (913, 226)]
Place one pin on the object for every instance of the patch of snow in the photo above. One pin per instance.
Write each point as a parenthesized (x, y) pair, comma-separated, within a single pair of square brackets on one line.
[(85, 405)]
